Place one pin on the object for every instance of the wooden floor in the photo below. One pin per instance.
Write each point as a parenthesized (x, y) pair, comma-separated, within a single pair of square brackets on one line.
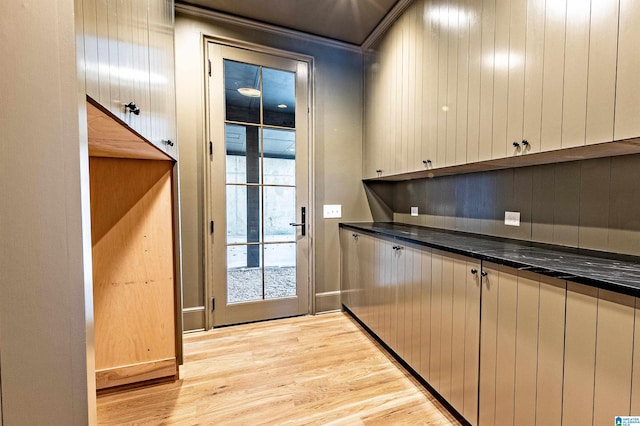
[(308, 370)]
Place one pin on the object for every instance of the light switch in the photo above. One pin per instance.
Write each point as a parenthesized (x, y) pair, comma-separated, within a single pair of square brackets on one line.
[(332, 211), (414, 211), (512, 218)]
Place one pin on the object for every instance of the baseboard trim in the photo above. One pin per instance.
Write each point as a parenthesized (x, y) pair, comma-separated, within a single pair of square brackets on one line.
[(144, 371)]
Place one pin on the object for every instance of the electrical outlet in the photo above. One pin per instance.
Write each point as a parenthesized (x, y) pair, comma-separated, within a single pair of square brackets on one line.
[(512, 218), (414, 211), (332, 211)]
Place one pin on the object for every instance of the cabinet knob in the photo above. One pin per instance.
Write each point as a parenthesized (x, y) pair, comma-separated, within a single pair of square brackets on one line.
[(516, 145), (168, 142), (355, 236), (132, 107), (525, 143), (379, 171), (474, 271), (484, 273), (426, 162)]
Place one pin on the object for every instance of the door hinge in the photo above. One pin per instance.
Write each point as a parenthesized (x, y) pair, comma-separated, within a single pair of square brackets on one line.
[(210, 148), (213, 303), (209, 61), (211, 227)]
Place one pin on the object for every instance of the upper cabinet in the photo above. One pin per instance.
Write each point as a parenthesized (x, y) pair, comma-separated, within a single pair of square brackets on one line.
[(627, 113), (130, 64), (459, 82)]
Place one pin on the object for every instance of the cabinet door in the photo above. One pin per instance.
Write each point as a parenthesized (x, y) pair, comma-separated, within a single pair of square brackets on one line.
[(601, 84), (430, 106), (404, 259), (488, 27), (366, 273), (141, 85), (521, 348), (516, 66), (533, 75), (347, 255), (425, 315), (551, 325), (413, 322), (455, 331), (580, 354), (465, 337), (498, 345), (501, 78), (372, 105), (553, 75), (162, 80), (627, 110), (614, 356), (90, 39)]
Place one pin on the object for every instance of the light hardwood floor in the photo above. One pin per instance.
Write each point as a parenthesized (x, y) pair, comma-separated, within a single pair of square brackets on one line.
[(307, 370)]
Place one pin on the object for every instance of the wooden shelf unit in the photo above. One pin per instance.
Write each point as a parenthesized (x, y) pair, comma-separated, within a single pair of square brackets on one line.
[(137, 327)]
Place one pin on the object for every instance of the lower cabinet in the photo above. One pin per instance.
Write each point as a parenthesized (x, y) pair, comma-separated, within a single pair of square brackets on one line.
[(503, 346), (424, 305)]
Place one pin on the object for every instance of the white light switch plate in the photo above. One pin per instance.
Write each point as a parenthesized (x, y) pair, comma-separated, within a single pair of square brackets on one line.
[(332, 211), (512, 218), (414, 211)]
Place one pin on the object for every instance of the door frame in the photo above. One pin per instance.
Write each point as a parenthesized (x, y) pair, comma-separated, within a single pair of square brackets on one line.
[(207, 165)]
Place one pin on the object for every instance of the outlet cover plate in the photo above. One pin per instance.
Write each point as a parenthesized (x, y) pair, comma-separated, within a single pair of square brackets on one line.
[(414, 211), (332, 211), (512, 218)]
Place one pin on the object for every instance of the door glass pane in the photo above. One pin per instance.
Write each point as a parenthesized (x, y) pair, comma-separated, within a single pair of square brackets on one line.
[(244, 273), (243, 153), (279, 152), (279, 213), (279, 270), (242, 92), (244, 214), (279, 101)]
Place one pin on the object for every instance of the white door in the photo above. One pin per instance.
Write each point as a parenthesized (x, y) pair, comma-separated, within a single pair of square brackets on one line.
[(258, 185)]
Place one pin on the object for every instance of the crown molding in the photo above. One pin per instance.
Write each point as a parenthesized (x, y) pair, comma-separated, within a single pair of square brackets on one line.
[(210, 15), (386, 23)]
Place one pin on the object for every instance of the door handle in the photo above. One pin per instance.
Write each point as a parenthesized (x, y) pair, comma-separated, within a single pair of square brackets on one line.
[(303, 224)]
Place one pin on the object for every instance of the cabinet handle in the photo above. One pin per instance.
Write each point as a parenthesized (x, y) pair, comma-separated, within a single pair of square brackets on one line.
[(398, 248), (379, 171), (525, 143), (474, 271), (426, 162), (131, 106), (484, 273), (168, 142), (355, 236)]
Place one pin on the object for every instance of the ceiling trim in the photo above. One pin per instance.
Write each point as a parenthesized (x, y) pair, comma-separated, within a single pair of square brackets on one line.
[(386, 23), (210, 15)]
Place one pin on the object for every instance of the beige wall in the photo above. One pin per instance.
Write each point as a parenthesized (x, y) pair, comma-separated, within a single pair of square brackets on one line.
[(337, 148), (45, 254), (591, 204)]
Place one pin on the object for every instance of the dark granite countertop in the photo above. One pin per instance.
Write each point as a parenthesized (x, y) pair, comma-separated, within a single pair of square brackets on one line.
[(610, 271)]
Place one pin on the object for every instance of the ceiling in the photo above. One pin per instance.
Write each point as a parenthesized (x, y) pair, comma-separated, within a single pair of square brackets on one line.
[(349, 21)]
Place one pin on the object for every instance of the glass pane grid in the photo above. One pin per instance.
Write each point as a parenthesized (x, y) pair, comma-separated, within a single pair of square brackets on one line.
[(260, 179)]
